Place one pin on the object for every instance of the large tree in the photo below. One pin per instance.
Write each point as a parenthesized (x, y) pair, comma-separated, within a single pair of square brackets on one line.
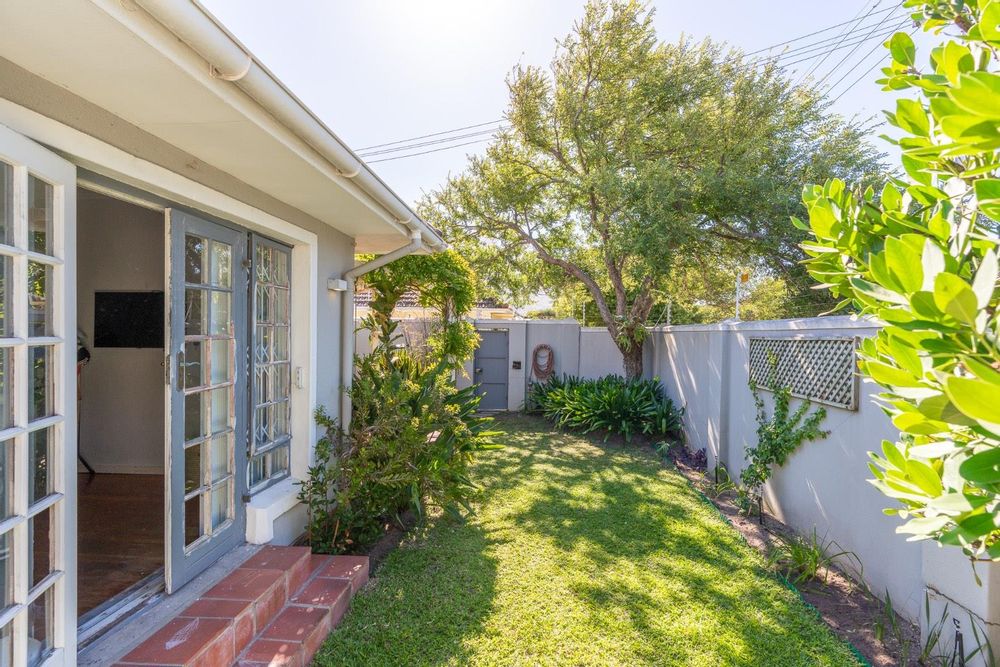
[(629, 152)]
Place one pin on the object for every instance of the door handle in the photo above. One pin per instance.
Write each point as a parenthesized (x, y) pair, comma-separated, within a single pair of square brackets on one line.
[(479, 370)]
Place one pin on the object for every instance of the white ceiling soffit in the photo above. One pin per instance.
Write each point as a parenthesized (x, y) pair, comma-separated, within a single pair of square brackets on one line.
[(117, 56)]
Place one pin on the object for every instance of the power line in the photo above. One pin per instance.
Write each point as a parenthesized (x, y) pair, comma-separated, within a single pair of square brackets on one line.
[(877, 36), (434, 150), (817, 32), (433, 134), (859, 21), (860, 78), (409, 146), (848, 56)]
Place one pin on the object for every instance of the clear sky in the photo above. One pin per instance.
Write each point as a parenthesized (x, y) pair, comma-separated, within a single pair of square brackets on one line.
[(379, 71)]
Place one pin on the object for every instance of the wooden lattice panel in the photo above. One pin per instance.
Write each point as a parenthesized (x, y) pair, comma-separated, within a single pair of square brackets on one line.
[(817, 369)]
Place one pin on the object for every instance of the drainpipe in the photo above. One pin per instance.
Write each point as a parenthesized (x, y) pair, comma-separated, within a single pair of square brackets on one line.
[(228, 60), (347, 318)]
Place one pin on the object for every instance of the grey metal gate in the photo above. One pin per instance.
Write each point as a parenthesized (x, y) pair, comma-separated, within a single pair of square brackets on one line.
[(490, 369)]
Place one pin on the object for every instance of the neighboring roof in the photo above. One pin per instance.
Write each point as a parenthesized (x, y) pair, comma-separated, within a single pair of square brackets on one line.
[(411, 299), (171, 69)]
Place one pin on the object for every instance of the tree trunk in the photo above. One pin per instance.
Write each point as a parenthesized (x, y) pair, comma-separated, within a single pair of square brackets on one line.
[(633, 361)]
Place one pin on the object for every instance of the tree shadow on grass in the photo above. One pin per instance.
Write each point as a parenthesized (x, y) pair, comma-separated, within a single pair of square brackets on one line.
[(685, 584)]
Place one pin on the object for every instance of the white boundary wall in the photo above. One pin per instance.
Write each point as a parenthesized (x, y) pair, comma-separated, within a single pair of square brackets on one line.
[(823, 485)]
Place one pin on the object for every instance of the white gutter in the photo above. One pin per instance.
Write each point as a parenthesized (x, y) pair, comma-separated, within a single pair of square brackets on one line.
[(347, 319), (230, 61)]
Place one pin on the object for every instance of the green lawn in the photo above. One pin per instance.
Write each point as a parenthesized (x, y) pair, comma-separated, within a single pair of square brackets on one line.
[(579, 555)]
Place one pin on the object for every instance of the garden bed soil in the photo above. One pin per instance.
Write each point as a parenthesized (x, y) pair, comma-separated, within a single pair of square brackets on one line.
[(395, 533)]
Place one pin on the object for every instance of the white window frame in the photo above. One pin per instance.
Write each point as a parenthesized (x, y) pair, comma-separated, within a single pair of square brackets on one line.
[(28, 158)]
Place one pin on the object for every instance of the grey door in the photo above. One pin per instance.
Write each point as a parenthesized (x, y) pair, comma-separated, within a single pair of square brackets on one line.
[(490, 369), (207, 432)]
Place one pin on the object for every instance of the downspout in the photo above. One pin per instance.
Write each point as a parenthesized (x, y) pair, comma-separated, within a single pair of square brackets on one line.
[(347, 318), (228, 60)]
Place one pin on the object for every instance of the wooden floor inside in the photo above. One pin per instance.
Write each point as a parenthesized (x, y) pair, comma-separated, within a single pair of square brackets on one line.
[(120, 528)]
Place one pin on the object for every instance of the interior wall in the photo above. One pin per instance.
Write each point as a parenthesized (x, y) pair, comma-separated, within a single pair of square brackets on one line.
[(120, 248)]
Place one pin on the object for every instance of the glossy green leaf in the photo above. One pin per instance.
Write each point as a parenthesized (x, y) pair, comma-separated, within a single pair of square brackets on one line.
[(954, 296), (976, 398), (903, 50), (982, 468)]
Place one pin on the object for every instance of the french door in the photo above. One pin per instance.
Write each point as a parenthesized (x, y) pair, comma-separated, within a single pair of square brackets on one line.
[(207, 421), (37, 404)]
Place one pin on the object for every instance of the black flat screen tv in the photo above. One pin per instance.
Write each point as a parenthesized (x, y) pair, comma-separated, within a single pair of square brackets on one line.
[(128, 319)]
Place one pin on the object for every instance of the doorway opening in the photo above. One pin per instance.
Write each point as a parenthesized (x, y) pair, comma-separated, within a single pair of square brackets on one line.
[(120, 340)]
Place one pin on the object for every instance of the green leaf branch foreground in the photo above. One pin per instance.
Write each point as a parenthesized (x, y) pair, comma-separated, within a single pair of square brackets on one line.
[(921, 256)]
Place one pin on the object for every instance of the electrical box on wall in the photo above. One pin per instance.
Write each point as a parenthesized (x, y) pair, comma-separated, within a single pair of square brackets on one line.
[(516, 365)]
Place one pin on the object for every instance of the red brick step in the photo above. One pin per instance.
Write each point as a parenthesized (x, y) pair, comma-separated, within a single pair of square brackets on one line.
[(275, 609)]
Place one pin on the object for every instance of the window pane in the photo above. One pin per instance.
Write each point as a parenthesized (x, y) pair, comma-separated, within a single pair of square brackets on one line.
[(6, 570), (194, 259), (6, 203), (258, 473), (40, 209), (6, 479), (193, 473), (6, 399), (194, 417), (6, 281), (40, 378), (40, 536), (220, 504), (281, 344), (39, 301), (280, 276), (40, 628), (221, 362), (280, 306), (39, 461), (279, 461), (192, 519), (220, 457), (221, 417), (220, 322), (195, 308), (194, 364), (221, 260)]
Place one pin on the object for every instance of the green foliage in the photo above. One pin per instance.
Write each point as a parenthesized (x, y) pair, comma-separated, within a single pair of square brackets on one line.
[(718, 482), (778, 436), (612, 404), (409, 445), (921, 256), (579, 555), (444, 282), (803, 559), (627, 154)]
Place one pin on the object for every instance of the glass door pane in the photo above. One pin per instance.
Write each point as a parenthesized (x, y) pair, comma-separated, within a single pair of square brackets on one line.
[(208, 332), (37, 449), (271, 366)]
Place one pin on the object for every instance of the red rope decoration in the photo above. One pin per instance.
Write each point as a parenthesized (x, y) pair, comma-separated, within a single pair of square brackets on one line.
[(543, 370)]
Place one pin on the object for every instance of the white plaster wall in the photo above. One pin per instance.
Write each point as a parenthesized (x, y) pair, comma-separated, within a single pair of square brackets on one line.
[(599, 355), (824, 484), (120, 248)]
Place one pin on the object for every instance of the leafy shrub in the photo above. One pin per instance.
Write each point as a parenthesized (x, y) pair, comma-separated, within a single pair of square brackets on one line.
[(921, 256), (612, 404), (802, 559), (778, 435), (408, 446)]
